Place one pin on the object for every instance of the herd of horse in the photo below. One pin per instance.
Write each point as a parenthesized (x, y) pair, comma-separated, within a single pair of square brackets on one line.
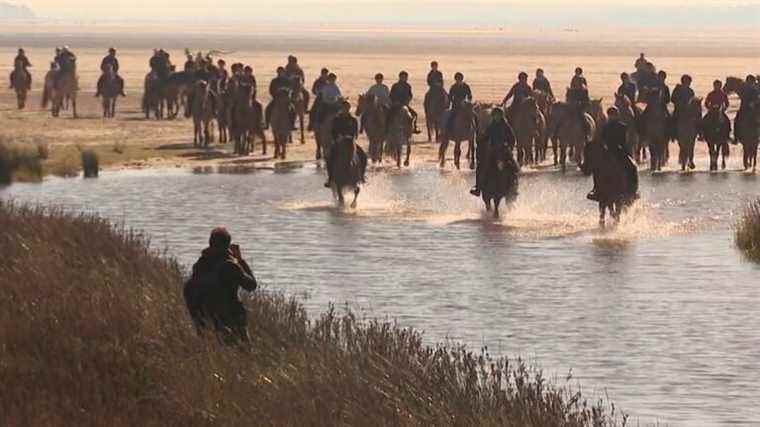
[(539, 123)]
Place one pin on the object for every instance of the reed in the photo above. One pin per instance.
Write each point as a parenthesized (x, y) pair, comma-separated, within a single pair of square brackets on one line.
[(94, 331), (748, 231)]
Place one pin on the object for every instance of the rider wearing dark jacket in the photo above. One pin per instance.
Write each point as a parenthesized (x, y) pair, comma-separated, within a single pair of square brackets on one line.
[(279, 83), (345, 130), (614, 137), (500, 139), (542, 83), (459, 93), (21, 62), (212, 292), (401, 96), (434, 77), (108, 64), (111, 60)]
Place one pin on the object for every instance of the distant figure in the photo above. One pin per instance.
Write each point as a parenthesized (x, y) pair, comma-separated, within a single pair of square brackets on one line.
[(279, 83), (160, 63), (434, 77), (578, 82), (518, 92), (717, 102), (401, 96), (320, 81), (614, 134), (330, 97), (627, 87), (21, 64), (111, 60), (293, 71), (641, 62), (541, 83), (681, 96), (211, 294)]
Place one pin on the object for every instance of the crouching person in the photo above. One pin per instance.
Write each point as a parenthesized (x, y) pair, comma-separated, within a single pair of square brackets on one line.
[(211, 294)]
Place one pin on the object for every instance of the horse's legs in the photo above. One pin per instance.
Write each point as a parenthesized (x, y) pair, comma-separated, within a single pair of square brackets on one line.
[(563, 157), (471, 153), (457, 153), (74, 107), (429, 131), (724, 152), (408, 153), (442, 152), (602, 214), (356, 196), (487, 201), (302, 128), (397, 153), (497, 203)]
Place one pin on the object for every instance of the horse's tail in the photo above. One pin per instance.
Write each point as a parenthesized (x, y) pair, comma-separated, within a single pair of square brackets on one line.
[(45, 95)]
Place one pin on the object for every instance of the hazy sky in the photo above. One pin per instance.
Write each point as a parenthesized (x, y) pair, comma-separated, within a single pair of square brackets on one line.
[(426, 12)]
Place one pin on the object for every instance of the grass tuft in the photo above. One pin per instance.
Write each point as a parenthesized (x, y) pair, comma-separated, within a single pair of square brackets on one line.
[(748, 231), (18, 162), (94, 331), (90, 163)]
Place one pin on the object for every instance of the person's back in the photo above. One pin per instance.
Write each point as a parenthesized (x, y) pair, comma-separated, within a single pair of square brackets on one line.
[(434, 77), (211, 293)]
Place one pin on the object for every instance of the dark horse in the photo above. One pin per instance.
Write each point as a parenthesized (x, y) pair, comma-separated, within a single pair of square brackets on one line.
[(348, 168), (500, 176), (615, 190), (716, 130)]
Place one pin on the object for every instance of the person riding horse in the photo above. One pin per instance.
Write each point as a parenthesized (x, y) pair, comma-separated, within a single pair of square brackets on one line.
[(717, 103), (21, 62), (401, 96), (458, 94), (279, 83), (381, 93), (541, 83), (316, 87), (66, 62), (518, 92), (614, 134), (108, 66), (345, 130), (749, 94), (578, 97), (682, 94), (434, 77), (627, 87), (160, 64), (501, 141), (327, 100)]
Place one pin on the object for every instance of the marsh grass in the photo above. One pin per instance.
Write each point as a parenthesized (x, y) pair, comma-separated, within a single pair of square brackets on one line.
[(94, 331), (19, 162), (748, 231)]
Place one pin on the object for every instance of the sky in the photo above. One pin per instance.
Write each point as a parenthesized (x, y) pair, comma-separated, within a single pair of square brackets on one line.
[(418, 12)]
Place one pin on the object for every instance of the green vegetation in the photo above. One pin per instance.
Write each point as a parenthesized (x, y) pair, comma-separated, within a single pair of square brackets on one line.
[(93, 330), (748, 231)]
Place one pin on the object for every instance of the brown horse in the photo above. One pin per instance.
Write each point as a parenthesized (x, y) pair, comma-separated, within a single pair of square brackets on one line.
[(436, 102), (615, 190), (374, 116), (282, 107), (203, 110), (654, 122), (112, 87), (567, 125), (153, 97), (245, 120), (223, 112), (348, 169), (465, 128), (716, 130), (300, 100), (545, 102), (500, 175), (59, 87), (596, 110), (530, 127), (400, 136), (687, 129), (746, 124), (22, 84)]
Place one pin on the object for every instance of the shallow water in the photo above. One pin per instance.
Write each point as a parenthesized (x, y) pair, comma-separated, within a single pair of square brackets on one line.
[(660, 313)]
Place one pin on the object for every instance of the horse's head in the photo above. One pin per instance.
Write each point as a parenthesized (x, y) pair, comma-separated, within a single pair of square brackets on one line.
[(732, 84), (621, 100)]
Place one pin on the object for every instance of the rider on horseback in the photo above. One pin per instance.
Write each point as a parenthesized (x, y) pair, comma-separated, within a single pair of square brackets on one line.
[(434, 77), (717, 103), (500, 140), (578, 96), (21, 62), (316, 87), (328, 99), (519, 91), (458, 94), (66, 62), (110, 64), (681, 96), (614, 135), (401, 95), (542, 83), (627, 87), (281, 82), (345, 130), (749, 94), (381, 93)]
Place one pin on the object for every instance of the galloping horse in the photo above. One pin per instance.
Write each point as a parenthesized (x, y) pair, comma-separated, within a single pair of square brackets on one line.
[(716, 130), (400, 135), (655, 124), (282, 106), (465, 128), (22, 83), (374, 116), (615, 190), (245, 120), (500, 175), (203, 110), (567, 125), (436, 101), (530, 127), (348, 169), (687, 129)]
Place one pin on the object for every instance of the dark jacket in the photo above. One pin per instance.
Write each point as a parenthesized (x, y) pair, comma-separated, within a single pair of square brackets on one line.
[(401, 93), (345, 124), (518, 92), (681, 95), (317, 86), (109, 60), (23, 61), (500, 134), (543, 85), (628, 89), (222, 302), (458, 93), (614, 135), (277, 84), (434, 78)]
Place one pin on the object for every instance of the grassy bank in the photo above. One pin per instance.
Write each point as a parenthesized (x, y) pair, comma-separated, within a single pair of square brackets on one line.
[(748, 231), (94, 331)]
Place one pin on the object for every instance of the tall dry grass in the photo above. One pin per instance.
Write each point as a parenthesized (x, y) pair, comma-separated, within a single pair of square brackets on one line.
[(19, 162), (94, 331), (748, 231)]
